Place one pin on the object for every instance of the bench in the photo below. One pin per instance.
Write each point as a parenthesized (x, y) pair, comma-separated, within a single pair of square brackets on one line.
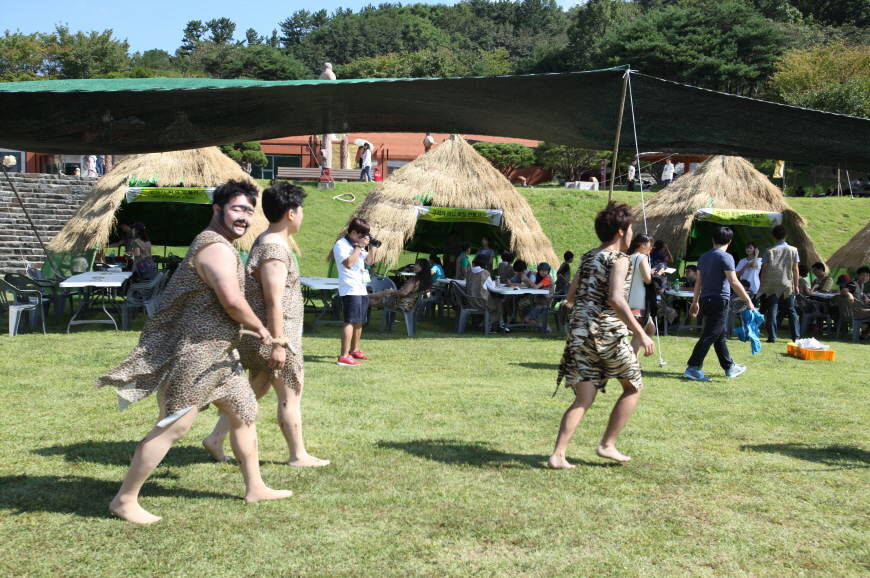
[(299, 173)]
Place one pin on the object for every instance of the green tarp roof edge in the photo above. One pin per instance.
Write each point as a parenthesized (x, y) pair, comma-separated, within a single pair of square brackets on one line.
[(576, 109)]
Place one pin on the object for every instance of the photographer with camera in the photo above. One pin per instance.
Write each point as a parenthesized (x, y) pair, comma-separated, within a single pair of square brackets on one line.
[(351, 255)]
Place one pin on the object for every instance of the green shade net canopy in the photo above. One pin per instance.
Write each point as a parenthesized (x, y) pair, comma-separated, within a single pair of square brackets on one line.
[(748, 226), (576, 109)]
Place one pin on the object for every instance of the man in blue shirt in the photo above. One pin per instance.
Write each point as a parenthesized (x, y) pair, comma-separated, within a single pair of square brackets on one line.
[(712, 296)]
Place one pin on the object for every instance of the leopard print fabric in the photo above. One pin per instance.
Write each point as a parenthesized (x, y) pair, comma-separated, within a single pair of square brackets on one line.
[(254, 356), (597, 347), (188, 344)]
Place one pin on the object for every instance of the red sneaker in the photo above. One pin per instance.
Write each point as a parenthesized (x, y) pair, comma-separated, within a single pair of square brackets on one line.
[(347, 361), (358, 355)]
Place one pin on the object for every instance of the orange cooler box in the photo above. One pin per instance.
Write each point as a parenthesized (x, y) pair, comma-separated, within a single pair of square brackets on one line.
[(811, 354)]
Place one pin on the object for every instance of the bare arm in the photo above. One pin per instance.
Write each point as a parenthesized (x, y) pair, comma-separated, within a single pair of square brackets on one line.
[(273, 279), (572, 291), (620, 306), (763, 271), (738, 288), (696, 307), (409, 287), (795, 276), (849, 297), (645, 271), (216, 265), (351, 259)]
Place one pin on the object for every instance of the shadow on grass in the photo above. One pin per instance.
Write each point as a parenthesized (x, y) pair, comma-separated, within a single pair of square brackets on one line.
[(120, 453), (82, 496), (537, 365), (843, 457), (474, 454)]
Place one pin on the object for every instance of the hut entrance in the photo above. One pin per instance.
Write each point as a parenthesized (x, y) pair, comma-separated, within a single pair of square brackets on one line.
[(434, 225), (748, 226)]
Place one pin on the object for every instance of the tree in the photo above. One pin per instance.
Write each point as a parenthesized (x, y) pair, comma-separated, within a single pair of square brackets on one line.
[(834, 78), (439, 63), (251, 37), (91, 55), (155, 59), (25, 57), (566, 161), (193, 34), (247, 154), (222, 30), (506, 156)]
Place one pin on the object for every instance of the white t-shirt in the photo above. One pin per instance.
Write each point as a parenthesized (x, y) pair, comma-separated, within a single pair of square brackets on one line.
[(350, 281), (752, 274), (631, 171), (428, 141), (367, 158), (668, 172)]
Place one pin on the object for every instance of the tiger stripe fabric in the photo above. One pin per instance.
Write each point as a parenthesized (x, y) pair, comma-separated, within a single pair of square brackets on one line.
[(597, 347)]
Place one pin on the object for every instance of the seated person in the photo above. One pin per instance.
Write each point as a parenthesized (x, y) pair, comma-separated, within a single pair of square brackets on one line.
[(505, 268), (563, 275), (803, 286), (538, 303), (520, 272), (463, 265), (738, 304), (479, 283), (691, 278), (853, 291), (823, 282), (435, 267), (421, 281)]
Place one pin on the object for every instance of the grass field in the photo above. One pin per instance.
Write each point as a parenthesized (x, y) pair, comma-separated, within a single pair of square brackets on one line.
[(438, 447)]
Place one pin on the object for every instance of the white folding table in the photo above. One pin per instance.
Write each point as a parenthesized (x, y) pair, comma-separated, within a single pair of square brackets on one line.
[(514, 293), (98, 287)]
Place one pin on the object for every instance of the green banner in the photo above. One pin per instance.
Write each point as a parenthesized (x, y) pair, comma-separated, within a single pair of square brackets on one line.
[(454, 215), (196, 195), (740, 217)]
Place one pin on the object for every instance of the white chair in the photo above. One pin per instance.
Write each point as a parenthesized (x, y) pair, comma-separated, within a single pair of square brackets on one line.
[(145, 296), (24, 301)]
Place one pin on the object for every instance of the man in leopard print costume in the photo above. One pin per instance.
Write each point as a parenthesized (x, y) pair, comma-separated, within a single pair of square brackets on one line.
[(187, 354)]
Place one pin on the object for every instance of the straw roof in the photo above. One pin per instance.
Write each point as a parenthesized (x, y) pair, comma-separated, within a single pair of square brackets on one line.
[(853, 254), (95, 220), (452, 175), (720, 182)]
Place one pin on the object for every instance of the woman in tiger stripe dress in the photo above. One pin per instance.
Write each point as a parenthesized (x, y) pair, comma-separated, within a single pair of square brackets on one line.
[(597, 347)]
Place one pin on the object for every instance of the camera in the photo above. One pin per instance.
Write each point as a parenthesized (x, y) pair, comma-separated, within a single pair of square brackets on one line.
[(374, 242)]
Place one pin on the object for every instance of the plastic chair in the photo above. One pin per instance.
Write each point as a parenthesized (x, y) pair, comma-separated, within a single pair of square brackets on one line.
[(551, 308), (389, 316), (468, 307), (145, 296), (378, 283), (24, 301), (847, 319), (810, 310)]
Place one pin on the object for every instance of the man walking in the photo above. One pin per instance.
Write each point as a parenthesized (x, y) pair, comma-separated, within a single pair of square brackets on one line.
[(351, 257), (668, 172), (779, 282), (713, 297), (186, 354), (632, 172)]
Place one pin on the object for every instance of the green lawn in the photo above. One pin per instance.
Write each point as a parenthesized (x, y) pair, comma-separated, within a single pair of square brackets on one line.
[(438, 447)]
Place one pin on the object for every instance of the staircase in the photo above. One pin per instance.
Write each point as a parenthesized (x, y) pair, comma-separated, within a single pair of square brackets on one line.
[(51, 201)]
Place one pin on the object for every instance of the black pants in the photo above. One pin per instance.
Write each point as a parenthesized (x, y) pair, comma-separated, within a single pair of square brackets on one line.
[(715, 310), (631, 184)]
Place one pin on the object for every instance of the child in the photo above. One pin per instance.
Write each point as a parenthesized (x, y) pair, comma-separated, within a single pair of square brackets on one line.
[(563, 275)]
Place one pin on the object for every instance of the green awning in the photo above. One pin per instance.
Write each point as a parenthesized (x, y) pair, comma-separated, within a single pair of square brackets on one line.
[(196, 195), (732, 217), (454, 215), (575, 108)]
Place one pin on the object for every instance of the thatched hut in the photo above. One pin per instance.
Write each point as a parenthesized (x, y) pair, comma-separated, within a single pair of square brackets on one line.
[(853, 254), (454, 176), (720, 182), (96, 219)]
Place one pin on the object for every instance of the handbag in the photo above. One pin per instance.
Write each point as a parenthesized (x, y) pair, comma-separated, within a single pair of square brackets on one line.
[(145, 265)]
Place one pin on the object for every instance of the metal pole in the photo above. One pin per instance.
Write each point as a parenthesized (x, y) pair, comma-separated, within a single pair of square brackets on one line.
[(618, 131), (27, 214)]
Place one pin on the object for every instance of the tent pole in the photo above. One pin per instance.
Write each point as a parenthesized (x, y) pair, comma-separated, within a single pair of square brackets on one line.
[(29, 220), (618, 132)]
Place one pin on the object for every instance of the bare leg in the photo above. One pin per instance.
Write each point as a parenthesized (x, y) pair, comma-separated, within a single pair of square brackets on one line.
[(214, 442), (357, 333), (622, 411), (148, 455), (586, 392), (243, 438), (347, 333), (290, 420)]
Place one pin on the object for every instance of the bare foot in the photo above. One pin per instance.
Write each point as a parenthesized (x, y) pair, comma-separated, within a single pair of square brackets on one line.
[(611, 453), (307, 461), (556, 463), (215, 449), (266, 494), (132, 512)]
